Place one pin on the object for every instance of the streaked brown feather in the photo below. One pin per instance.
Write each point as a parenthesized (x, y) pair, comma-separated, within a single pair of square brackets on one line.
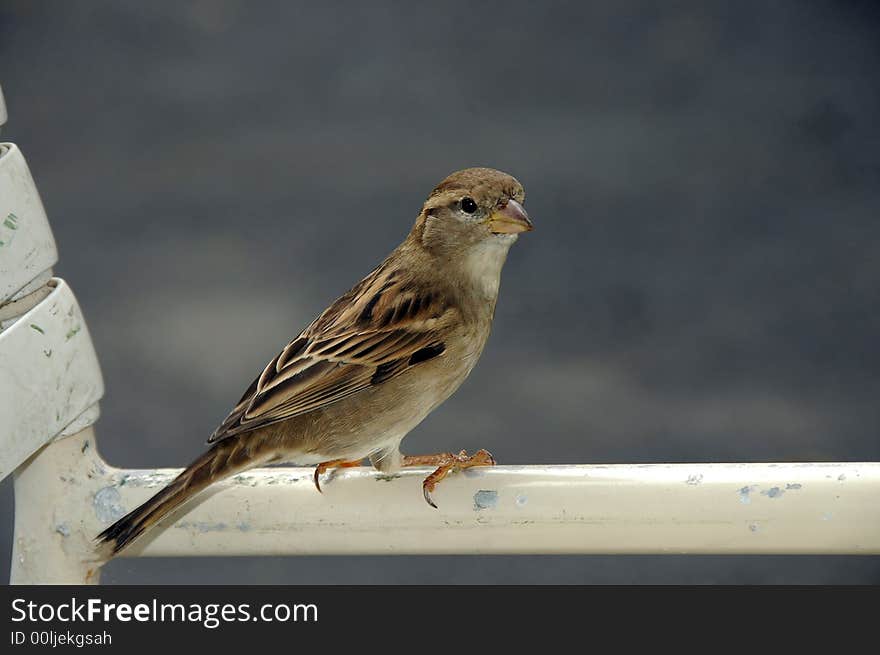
[(368, 336)]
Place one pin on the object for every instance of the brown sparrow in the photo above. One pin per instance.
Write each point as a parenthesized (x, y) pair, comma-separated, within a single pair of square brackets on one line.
[(377, 361)]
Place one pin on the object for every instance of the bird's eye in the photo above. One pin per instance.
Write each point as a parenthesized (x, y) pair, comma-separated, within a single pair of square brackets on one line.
[(468, 206)]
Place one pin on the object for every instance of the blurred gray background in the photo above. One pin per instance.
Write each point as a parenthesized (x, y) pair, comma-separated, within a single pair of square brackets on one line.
[(702, 284)]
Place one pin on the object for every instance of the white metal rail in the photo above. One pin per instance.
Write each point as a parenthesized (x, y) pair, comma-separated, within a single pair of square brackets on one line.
[(50, 384)]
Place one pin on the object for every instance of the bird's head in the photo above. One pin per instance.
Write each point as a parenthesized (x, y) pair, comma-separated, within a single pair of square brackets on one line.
[(468, 224), (474, 207)]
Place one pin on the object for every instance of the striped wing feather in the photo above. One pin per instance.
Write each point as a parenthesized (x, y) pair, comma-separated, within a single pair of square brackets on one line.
[(376, 331)]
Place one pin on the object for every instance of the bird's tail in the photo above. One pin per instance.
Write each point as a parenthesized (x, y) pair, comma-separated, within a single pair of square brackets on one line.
[(222, 460)]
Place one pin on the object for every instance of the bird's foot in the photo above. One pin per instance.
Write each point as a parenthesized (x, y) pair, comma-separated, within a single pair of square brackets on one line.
[(332, 464), (446, 463)]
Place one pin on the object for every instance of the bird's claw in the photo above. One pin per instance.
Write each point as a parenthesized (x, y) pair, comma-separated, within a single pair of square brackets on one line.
[(426, 491), (451, 463), (332, 464)]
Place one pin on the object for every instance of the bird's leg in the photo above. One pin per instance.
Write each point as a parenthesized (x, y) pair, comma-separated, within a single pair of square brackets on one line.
[(446, 463), (333, 464)]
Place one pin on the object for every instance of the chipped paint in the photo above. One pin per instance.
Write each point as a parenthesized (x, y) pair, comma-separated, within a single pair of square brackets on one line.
[(279, 475), (202, 526), (841, 477), (773, 492), (694, 479), (521, 500), (476, 472), (108, 505), (146, 479), (62, 529), (11, 222), (485, 499), (744, 493), (793, 486), (247, 480), (754, 527)]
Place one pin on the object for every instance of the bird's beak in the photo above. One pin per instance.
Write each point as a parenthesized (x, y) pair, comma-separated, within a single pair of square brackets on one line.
[(510, 218)]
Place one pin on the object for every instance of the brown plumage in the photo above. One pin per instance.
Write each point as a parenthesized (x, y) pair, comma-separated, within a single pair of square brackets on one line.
[(378, 360)]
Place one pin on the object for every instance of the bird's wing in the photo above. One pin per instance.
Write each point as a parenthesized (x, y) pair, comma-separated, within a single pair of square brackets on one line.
[(379, 329)]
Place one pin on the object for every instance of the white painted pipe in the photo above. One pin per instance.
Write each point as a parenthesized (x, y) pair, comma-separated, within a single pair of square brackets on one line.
[(67, 494), (656, 508)]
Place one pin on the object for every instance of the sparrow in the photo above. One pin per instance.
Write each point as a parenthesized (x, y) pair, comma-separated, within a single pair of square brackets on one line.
[(377, 361)]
